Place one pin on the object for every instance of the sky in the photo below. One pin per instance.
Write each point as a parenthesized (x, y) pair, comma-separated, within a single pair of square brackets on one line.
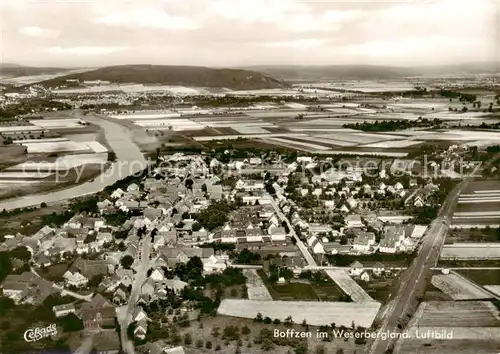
[(222, 33)]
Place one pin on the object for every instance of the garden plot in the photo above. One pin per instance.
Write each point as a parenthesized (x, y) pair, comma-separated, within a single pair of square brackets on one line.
[(299, 144), (315, 313), (96, 146), (328, 141), (295, 105), (20, 128), (345, 111), (58, 123), (446, 115), (161, 115), (9, 182), (495, 289), (256, 288), (23, 174), (364, 153), (56, 146), (349, 286), (226, 137), (49, 140), (470, 250), (419, 105), (243, 129), (474, 214), (169, 124), (392, 144), (61, 163), (458, 288), (457, 314), (359, 138)]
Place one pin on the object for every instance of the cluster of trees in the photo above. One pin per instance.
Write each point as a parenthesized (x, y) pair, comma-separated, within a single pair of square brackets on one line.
[(192, 270), (32, 105), (215, 215), (246, 256), (393, 125), (462, 97), (342, 260)]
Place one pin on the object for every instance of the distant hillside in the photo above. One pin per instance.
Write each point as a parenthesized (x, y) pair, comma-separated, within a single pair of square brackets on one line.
[(14, 70), (195, 76), (371, 72)]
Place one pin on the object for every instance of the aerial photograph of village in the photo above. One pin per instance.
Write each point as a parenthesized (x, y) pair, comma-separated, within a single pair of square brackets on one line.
[(236, 176)]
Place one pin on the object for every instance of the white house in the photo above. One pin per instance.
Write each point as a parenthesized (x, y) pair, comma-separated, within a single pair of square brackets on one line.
[(392, 239), (277, 233), (356, 268), (75, 279), (63, 310), (117, 193), (354, 221), (157, 275), (363, 241), (330, 204)]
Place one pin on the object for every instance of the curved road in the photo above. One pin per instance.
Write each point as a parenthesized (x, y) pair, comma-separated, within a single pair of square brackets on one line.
[(129, 160)]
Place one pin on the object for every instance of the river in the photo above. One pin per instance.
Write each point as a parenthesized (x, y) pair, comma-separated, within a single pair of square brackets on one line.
[(129, 160)]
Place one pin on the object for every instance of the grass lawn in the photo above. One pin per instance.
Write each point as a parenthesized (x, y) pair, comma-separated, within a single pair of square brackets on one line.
[(55, 272), (482, 276), (302, 290)]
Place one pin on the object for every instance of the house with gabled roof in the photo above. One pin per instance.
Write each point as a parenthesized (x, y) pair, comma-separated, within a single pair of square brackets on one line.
[(117, 193), (98, 313), (363, 240), (356, 268)]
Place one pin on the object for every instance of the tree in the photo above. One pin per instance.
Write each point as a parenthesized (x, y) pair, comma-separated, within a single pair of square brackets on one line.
[(245, 330), (208, 345), (199, 343), (288, 321), (127, 261), (70, 323), (301, 348), (258, 318), (187, 339), (320, 349)]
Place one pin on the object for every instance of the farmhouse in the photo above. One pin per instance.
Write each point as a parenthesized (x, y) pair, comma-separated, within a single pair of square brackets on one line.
[(63, 310)]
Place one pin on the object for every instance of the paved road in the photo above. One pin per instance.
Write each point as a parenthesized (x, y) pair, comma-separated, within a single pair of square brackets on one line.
[(129, 160), (417, 273), (139, 279), (305, 252)]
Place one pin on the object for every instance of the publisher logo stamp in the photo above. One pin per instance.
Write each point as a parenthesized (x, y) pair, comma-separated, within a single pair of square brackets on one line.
[(36, 334)]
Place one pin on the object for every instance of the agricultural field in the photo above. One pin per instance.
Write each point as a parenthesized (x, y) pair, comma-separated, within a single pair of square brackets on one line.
[(466, 251), (349, 286), (495, 289), (314, 312), (482, 276), (474, 327), (478, 206), (473, 235), (63, 143), (458, 288), (255, 286)]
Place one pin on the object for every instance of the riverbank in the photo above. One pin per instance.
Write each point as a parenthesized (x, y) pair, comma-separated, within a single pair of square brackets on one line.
[(129, 160)]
